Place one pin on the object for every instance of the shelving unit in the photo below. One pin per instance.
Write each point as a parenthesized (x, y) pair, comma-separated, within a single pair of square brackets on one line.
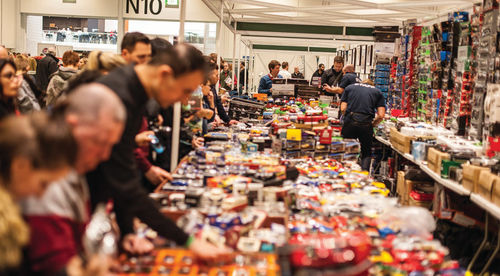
[(450, 184), (486, 205)]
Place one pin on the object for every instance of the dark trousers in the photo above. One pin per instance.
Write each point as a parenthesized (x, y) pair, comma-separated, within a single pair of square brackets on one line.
[(364, 133)]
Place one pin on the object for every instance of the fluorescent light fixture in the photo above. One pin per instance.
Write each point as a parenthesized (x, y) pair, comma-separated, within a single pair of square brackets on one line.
[(369, 11), (354, 21), (381, 1)]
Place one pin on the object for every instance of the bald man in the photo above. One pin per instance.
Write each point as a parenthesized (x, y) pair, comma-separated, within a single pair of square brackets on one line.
[(4, 54), (348, 79), (97, 117)]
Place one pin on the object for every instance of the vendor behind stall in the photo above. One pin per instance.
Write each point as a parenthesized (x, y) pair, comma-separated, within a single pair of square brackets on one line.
[(266, 82), (360, 101)]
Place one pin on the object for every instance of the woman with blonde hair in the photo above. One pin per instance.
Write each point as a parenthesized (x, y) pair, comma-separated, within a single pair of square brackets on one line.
[(104, 62), (28, 95)]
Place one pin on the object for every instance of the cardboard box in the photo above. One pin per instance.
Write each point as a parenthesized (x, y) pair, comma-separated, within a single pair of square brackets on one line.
[(401, 142), (470, 176), (487, 181), (495, 193), (435, 158)]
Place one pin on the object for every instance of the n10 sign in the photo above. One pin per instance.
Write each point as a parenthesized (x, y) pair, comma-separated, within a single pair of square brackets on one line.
[(145, 7)]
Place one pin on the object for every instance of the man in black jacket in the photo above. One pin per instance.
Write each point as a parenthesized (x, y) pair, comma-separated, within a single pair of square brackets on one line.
[(333, 76), (319, 73), (46, 67), (171, 76), (213, 78)]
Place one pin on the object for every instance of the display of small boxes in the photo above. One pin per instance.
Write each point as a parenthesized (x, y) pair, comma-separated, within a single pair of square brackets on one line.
[(435, 158), (471, 174), (401, 142), (487, 183)]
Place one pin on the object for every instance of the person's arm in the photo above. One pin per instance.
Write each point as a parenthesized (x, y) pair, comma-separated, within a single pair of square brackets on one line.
[(262, 87), (380, 109), (333, 90), (119, 179), (343, 107), (220, 110), (141, 157), (380, 116)]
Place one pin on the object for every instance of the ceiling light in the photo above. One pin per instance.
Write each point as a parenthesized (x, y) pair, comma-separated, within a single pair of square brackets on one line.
[(354, 21), (369, 11), (381, 1)]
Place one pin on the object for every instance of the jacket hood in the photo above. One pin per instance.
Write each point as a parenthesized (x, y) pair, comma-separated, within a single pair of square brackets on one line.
[(66, 73)]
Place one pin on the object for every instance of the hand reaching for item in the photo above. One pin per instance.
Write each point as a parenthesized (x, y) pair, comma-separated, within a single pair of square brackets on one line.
[(157, 175), (197, 142), (206, 251), (135, 244), (142, 139), (96, 266)]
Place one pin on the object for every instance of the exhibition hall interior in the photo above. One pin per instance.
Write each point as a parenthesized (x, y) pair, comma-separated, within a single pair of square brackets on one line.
[(250, 137)]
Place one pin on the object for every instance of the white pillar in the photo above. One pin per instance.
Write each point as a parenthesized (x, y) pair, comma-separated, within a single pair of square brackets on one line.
[(234, 55), (251, 63), (219, 40), (238, 65), (121, 27), (177, 107), (247, 67)]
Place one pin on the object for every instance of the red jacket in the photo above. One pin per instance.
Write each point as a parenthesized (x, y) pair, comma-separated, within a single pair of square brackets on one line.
[(141, 153), (57, 222)]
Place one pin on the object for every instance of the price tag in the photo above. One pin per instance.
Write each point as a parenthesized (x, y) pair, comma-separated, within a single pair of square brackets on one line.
[(294, 134), (326, 99)]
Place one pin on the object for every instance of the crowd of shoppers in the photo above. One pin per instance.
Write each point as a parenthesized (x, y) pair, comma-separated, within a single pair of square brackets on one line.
[(81, 151)]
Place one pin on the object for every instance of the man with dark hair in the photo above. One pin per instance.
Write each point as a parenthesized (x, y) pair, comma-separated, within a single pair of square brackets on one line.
[(359, 102), (266, 82), (46, 67), (284, 70), (212, 81), (171, 76), (136, 48), (332, 77), (319, 72), (243, 76)]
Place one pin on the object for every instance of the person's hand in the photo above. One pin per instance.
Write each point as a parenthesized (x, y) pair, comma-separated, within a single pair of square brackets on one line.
[(160, 120), (97, 265), (206, 251), (218, 121), (134, 244), (271, 90), (197, 142), (205, 113), (233, 122), (205, 89), (157, 175), (142, 139)]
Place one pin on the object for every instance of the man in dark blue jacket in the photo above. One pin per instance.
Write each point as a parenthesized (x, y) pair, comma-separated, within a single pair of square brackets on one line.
[(348, 78), (266, 82), (363, 107)]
